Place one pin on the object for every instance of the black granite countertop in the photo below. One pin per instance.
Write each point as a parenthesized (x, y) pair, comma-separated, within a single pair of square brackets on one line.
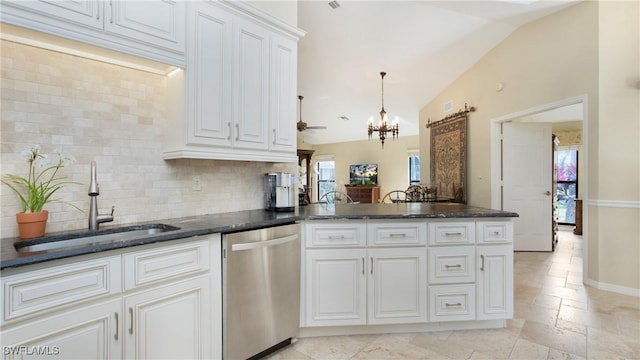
[(243, 221)]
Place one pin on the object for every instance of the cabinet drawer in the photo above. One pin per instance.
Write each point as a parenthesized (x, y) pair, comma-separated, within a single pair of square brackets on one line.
[(455, 264), (492, 232), (332, 235), (165, 263), (52, 287), (396, 233), (450, 233), (452, 302)]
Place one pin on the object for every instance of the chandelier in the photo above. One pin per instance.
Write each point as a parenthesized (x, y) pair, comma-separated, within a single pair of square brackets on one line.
[(383, 127)]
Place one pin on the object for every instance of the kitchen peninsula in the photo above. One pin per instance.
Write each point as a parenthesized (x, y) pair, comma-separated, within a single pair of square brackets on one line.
[(364, 268)]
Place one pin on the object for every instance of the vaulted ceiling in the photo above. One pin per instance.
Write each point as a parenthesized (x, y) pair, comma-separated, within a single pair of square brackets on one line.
[(422, 46)]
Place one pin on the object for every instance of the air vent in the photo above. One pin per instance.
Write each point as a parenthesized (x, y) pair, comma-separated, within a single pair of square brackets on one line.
[(334, 4)]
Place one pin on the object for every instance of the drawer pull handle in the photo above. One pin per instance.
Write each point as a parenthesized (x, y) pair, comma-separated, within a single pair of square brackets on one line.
[(452, 266), (496, 233), (371, 265), (131, 324), (481, 262), (453, 234), (452, 305), (363, 265), (115, 314), (336, 237), (397, 235)]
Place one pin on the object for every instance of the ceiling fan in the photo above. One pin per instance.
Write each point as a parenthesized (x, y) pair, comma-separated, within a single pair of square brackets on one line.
[(302, 126)]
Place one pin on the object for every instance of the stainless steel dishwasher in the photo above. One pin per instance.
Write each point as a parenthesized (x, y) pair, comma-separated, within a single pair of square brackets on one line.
[(261, 291)]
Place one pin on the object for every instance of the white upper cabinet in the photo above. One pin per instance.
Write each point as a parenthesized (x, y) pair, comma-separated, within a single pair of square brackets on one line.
[(251, 79), (153, 29), (237, 98), (284, 56), (160, 22), (208, 79)]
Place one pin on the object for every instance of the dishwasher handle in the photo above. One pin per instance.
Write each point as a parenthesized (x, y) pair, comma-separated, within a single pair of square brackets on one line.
[(263, 244)]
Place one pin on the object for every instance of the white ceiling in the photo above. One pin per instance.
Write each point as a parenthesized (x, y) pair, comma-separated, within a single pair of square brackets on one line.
[(422, 46)]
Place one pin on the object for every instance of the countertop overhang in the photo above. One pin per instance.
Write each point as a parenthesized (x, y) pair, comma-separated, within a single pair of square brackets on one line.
[(249, 220)]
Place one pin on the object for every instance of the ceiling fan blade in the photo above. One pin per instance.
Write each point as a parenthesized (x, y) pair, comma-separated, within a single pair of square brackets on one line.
[(301, 125)]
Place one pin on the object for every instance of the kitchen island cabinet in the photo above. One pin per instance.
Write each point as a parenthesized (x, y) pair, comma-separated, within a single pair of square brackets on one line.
[(412, 275)]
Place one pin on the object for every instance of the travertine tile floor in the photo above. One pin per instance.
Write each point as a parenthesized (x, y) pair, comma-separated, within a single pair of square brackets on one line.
[(556, 317)]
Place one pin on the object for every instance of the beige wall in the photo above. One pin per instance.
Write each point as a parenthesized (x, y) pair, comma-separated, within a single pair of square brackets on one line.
[(614, 249), (547, 61), (113, 115), (393, 160), (540, 63)]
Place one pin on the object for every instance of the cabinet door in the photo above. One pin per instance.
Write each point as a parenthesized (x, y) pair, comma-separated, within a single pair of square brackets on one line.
[(251, 78), (397, 285), (169, 322), (209, 71), (335, 284), (156, 22), (283, 89), (495, 282), (87, 13), (89, 332)]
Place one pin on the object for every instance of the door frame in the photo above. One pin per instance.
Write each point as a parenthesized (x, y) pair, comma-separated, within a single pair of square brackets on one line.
[(496, 159)]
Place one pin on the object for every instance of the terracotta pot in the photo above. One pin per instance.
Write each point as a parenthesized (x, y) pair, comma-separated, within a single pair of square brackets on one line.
[(32, 225)]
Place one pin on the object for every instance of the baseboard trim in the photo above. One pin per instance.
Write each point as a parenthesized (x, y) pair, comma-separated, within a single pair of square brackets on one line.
[(613, 288), (614, 203)]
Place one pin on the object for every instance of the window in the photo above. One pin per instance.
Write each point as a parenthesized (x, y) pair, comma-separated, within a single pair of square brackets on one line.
[(567, 185), (326, 177), (414, 168)]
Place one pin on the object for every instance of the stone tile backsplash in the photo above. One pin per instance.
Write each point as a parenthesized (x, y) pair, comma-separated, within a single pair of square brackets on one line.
[(115, 116)]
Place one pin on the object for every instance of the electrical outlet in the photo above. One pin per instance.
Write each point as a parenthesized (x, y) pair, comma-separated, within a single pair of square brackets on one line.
[(197, 183)]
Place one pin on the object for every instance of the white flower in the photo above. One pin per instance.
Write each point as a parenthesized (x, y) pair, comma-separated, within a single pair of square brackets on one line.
[(66, 159)]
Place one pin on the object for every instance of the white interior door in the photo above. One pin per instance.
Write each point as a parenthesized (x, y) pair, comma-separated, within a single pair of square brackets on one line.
[(527, 183)]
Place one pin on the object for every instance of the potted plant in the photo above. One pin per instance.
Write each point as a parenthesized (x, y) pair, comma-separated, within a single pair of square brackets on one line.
[(36, 190)]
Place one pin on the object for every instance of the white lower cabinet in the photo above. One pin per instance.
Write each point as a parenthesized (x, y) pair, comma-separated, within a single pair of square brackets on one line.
[(406, 272), (336, 287), (168, 322), (88, 332), (353, 283), (397, 285), (359, 286), (495, 282), (81, 309)]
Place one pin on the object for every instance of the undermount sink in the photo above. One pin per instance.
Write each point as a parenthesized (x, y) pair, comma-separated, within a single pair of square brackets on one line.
[(67, 241)]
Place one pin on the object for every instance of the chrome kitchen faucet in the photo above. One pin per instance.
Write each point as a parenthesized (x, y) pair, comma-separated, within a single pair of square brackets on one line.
[(94, 218)]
